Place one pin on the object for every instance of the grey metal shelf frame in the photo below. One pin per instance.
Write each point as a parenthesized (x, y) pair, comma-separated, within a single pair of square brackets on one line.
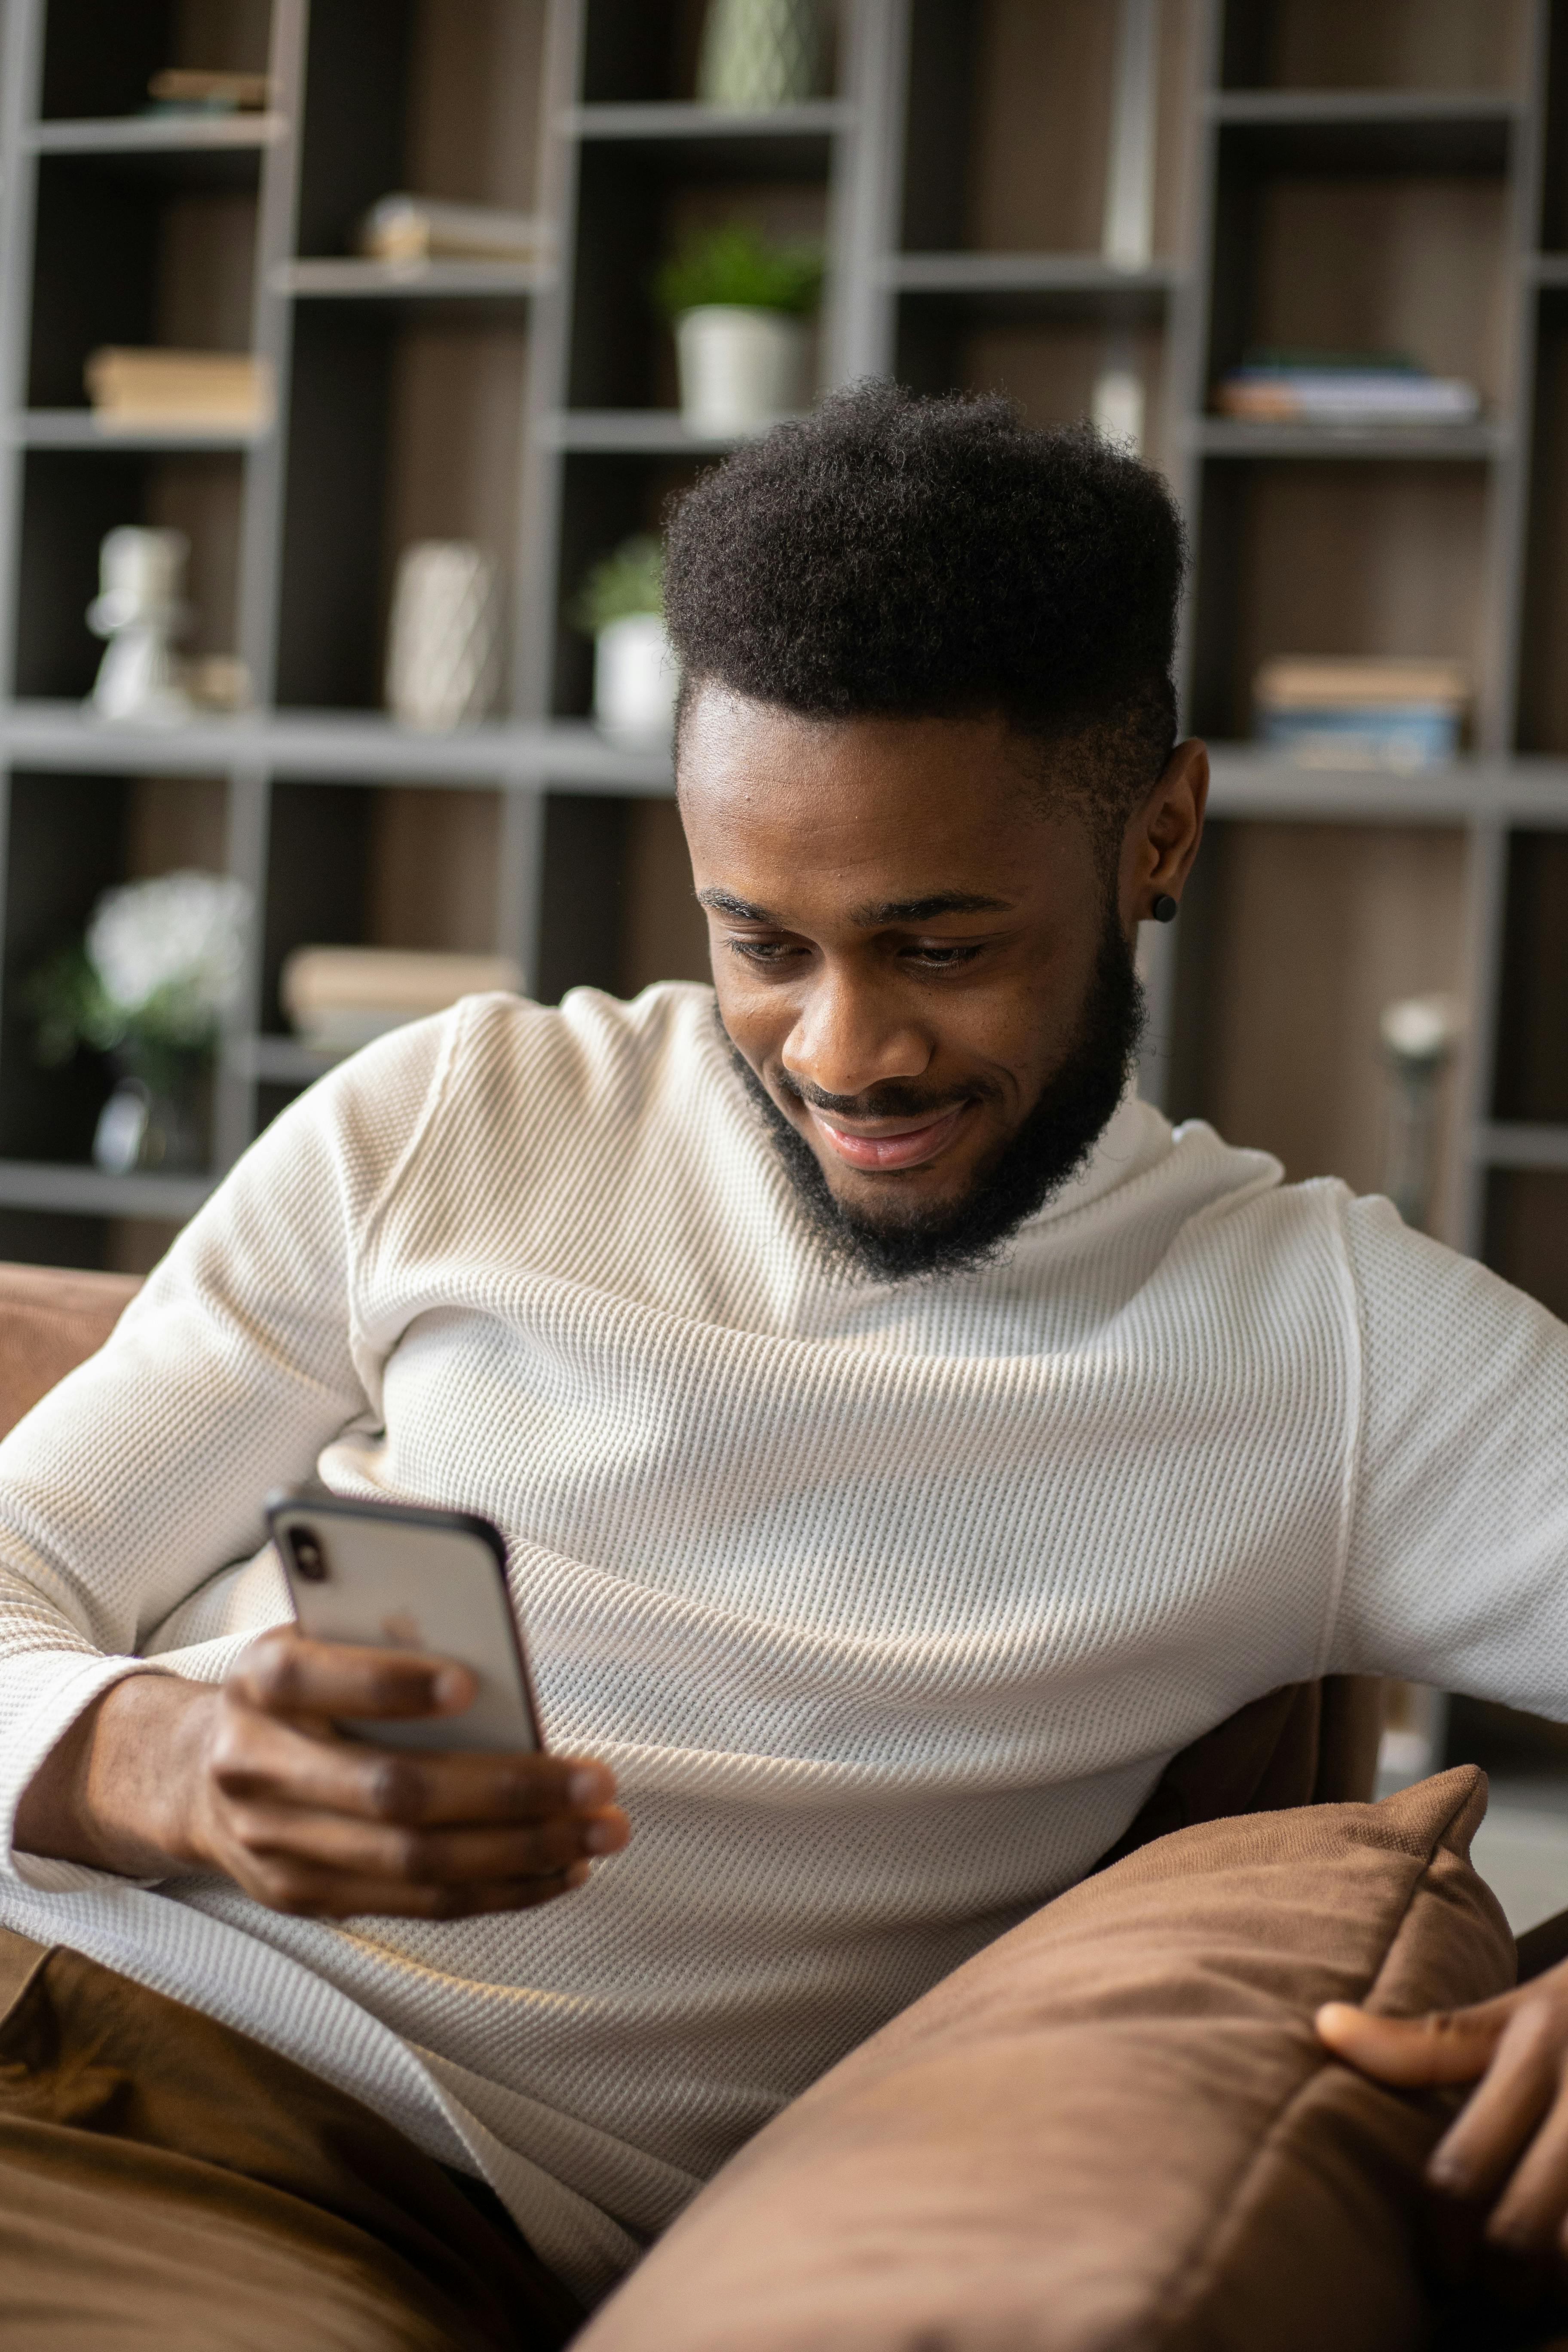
[(601, 444)]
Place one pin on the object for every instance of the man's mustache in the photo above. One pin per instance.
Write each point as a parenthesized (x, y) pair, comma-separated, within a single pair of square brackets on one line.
[(893, 1100)]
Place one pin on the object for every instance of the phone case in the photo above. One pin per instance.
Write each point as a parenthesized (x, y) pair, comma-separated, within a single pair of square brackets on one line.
[(402, 1576)]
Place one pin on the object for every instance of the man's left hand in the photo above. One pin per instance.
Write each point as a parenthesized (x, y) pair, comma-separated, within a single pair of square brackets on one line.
[(1507, 2154)]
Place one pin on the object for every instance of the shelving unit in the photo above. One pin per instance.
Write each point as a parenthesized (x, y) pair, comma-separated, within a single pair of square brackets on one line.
[(1008, 194)]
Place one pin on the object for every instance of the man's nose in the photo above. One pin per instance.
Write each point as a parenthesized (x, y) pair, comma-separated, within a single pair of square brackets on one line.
[(851, 1035)]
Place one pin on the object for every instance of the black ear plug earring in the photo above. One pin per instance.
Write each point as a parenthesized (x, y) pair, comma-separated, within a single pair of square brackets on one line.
[(1164, 908)]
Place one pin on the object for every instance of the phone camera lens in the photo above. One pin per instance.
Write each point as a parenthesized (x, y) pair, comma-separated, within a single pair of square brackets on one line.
[(310, 1560)]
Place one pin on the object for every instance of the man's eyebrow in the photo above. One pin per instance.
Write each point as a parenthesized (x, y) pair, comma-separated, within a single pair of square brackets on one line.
[(724, 902), (882, 910), (925, 911)]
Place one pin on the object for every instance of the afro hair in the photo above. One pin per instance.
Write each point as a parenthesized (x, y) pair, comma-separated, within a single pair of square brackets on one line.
[(892, 556)]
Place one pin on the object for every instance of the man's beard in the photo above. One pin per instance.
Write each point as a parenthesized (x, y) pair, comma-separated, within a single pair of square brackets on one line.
[(1050, 1144)]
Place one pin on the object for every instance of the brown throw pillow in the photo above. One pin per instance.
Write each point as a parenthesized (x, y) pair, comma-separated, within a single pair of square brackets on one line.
[(1115, 2127)]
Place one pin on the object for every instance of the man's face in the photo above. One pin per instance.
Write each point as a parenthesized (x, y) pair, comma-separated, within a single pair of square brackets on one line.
[(910, 954)]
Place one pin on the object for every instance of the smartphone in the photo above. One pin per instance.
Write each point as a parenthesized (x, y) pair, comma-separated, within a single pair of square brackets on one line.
[(398, 1576)]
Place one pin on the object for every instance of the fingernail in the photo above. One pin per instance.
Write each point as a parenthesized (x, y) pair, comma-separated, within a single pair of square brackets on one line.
[(452, 1688), (603, 1837), (578, 1874), (589, 1786)]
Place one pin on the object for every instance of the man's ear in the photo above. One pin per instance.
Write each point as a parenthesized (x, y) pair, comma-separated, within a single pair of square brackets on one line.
[(1162, 841)]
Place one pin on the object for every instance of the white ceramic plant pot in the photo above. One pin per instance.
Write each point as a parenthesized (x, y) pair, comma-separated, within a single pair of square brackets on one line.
[(634, 681), (741, 370)]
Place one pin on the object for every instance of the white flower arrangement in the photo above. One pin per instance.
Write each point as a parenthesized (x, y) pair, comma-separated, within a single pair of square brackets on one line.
[(173, 948), (162, 963)]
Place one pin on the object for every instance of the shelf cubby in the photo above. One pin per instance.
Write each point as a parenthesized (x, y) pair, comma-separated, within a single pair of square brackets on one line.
[(1530, 1079), (1526, 1231), (1381, 45), (69, 500), (100, 56), (1327, 556), (1293, 939)]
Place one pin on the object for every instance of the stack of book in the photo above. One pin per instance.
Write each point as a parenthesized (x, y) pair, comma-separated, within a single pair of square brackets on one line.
[(1350, 712), (1343, 389), (340, 998), (422, 228), (198, 390), (179, 90)]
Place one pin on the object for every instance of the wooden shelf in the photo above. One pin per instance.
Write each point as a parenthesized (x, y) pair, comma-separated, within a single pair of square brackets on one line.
[(705, 143), (1256, 785), (1367, 130), (632, 432), (1272, 107), (1225, 437), (90, 1191), (350, 280), (79, 428), (1516, 1144), (816, 118), (347, 747), (155, 134), (281, 1061)]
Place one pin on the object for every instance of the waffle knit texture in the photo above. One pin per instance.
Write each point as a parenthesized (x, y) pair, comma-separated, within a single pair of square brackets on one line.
[(886, 1602)]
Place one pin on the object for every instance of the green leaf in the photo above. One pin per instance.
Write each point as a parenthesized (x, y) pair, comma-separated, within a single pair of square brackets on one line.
[(630, 581), (736, 266)]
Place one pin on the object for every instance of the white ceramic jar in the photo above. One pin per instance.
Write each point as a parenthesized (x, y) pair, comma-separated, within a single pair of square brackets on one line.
[(443, 654), (635, 682), (740, 369)]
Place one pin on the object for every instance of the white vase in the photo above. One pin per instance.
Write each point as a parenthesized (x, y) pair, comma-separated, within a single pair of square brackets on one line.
[(635, 682), (443, 653), (758, 53), (741, 370)]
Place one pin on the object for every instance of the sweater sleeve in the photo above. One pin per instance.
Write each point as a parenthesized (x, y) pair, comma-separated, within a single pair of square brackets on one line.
[(143, 1474), (1457, 1566)]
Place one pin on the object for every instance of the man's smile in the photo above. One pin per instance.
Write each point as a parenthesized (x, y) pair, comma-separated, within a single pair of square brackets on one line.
[(882, 1145)]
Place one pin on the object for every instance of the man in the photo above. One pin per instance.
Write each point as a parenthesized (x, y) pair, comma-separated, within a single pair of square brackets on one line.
[(906, 1444)]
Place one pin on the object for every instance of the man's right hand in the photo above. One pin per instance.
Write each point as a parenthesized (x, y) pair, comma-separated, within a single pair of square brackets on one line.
[(164, 1777)]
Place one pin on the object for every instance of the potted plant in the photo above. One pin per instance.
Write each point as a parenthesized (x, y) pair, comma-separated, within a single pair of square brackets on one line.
[(621, 607), (148, 985), (738, 304)]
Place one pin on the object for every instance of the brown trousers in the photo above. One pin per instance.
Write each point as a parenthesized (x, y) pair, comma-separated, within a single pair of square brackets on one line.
[(167, 2185)]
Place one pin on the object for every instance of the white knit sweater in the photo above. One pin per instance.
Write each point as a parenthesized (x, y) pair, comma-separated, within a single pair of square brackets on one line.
[(887, 1603)]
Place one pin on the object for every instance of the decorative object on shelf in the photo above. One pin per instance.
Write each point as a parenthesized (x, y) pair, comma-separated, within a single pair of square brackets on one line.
[(338, 999), (1347, 712), (758, 54), (140, 609), (1348, 389), (1127, 226), (162, 963), (737, 303), (1419, 1034), (408, 228), (443, 652), (1118, 410), (182, 89), (621, 607), (217, 681), (197, 392)]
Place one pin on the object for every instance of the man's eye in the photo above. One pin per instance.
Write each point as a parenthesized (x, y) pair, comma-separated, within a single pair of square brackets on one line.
[(945, 957), (764, 951)]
